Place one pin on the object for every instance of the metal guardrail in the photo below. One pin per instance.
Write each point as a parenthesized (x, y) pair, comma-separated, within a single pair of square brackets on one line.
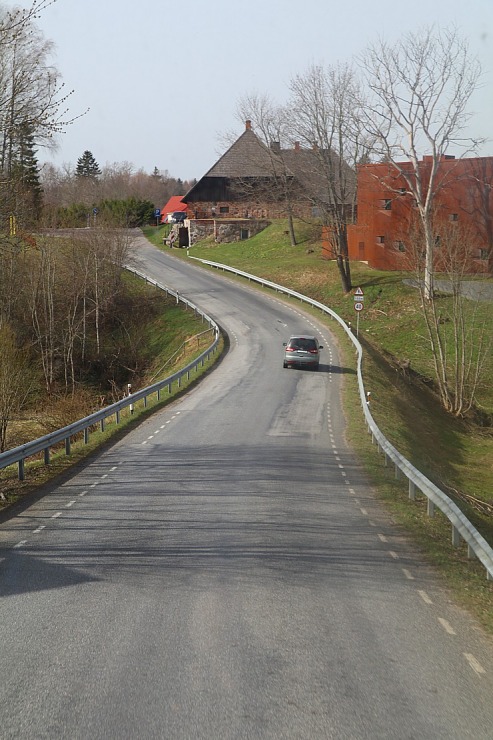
[(44, 444), (461, 526)]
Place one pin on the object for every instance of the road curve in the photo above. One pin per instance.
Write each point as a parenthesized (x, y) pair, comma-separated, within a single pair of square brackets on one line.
[(225, 572)]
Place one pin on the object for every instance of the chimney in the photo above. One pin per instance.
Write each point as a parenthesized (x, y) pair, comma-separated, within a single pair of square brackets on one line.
[(275, 146), (248, 125), (297, 146)]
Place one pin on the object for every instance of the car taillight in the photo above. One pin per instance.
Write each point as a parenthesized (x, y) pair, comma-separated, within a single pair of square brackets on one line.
[(290, 349), (312, 351)]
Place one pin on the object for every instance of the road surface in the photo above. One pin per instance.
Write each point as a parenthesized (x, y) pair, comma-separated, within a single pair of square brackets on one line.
[(224, 571)]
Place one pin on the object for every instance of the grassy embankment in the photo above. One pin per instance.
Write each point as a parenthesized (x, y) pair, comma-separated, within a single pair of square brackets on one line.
[(457, 454), (167, 342)]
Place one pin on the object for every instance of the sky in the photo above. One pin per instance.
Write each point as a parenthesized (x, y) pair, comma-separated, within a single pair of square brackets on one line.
[(162, 80)]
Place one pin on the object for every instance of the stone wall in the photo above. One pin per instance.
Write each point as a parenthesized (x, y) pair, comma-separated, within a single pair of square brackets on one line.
[(224, 229)]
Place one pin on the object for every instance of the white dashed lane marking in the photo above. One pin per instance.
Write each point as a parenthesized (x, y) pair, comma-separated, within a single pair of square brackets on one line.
[(425, 597), (447, 626), (474, 663)]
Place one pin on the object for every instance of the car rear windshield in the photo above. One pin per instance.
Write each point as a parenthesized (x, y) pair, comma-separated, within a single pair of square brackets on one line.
[(302, 343)]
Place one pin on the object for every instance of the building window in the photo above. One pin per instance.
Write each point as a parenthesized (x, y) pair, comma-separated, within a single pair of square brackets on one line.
[(454, 217), (385, 204), (400, 246), (224, 209), (244, 234), (380, 240)]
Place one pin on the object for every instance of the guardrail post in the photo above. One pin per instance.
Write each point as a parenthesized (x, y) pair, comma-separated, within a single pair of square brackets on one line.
[(470, 552), (412, 490), (455, 536), (46, 452), (86, 435), (397, 472), (102, 425), (20, 469), (117, 417), (431, 508), (67, 445)]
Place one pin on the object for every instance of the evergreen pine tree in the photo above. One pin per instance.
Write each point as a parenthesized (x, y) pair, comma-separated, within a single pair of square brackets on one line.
[(87, 166), (25, 177)]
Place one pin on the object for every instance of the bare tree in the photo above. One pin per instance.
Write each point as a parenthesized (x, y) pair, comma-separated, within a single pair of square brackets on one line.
[(457, 332), (16, 378), (326, 117), (42, 298), (419, 89), (31, 91)]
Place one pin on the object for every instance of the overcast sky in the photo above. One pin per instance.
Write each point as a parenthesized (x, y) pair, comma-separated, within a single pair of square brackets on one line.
[(162, 80)]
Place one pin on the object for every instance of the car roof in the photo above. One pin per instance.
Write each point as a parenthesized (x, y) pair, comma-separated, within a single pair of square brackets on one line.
[(302, 336)]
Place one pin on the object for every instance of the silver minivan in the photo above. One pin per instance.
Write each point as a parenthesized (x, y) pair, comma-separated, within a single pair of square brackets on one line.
[(302, 351)]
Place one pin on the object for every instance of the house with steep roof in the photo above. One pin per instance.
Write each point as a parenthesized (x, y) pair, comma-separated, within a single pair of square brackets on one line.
[(252, 180)]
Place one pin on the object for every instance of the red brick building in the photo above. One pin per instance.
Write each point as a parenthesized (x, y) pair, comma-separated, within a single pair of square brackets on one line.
[(386, 212)]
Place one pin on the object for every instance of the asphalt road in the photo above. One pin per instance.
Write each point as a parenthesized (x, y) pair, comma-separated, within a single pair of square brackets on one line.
[(225, 572)]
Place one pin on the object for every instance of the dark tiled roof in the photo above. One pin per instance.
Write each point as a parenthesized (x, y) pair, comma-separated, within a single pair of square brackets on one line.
[(319, 172), (248, 157)]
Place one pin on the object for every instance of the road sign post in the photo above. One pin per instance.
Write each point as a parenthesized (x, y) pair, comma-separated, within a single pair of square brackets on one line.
[(359, 298)]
